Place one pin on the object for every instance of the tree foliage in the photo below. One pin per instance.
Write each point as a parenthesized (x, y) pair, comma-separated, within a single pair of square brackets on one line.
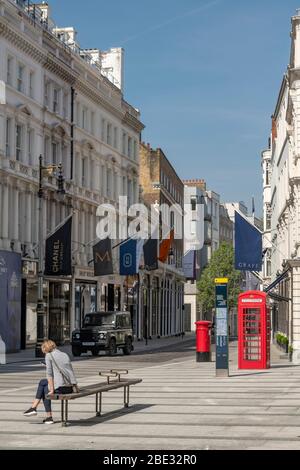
[(221, 265)]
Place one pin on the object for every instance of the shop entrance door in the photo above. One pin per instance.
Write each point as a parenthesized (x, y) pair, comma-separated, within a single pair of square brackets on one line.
[(59, 312)]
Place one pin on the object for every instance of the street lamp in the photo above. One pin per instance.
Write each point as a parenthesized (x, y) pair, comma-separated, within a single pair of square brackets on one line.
[(40, 309)]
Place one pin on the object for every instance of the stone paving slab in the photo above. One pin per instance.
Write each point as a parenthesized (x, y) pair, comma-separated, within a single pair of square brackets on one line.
[(179, 405)]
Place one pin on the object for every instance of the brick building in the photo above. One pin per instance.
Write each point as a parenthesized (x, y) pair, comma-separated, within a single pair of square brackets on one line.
[(161, 185)]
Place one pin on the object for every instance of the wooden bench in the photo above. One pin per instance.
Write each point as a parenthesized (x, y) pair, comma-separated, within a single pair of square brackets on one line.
[(114, 381)]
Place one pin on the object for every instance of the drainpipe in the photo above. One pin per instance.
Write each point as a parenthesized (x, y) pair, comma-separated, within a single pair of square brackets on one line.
[(72, 132)]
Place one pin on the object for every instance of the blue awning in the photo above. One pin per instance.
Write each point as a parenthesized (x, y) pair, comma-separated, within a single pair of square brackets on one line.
[(277, 281)]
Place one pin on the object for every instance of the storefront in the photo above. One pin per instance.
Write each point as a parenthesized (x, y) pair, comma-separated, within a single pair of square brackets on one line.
[(131, 299), (59, 312), (85, 300)]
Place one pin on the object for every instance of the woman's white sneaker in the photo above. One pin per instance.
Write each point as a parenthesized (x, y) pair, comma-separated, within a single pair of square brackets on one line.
[(48, 420), (31, 412)]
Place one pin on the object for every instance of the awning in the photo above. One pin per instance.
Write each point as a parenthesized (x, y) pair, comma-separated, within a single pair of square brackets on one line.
[(279, 298), (277, 281)]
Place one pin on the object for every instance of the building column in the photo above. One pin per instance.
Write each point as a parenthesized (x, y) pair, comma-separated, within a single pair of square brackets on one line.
[(158, 308), (5, 214), (15, 233), (104, 180), (82, 235), (28, 237), (3, 134), (150, 296)]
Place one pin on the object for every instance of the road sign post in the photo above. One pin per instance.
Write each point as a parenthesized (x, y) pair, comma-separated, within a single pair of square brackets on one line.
[(221, 328)]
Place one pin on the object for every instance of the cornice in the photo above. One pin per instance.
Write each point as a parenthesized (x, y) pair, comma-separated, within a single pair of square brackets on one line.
[(21, 42), (133, 122), (56, 66)]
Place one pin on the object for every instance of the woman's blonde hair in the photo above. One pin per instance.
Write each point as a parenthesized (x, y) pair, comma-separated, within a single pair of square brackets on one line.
[(48, 346)]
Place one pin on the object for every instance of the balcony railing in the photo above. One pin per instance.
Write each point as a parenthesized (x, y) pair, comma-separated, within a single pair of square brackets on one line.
[(35, 15)]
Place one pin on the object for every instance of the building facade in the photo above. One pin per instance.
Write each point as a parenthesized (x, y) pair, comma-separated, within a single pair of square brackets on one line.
[(226, 226), (193, 241), (66, 104), (161, 186), (281, 164), (267, 245)]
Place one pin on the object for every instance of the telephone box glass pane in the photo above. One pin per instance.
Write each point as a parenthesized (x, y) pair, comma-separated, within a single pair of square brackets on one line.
[(252, 334)]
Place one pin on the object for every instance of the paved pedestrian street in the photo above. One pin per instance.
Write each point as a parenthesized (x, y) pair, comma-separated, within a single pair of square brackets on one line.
[(179, 405)]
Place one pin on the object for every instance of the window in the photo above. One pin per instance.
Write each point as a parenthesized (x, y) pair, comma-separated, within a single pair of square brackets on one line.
[(65, 105), (103, 130), (31, 84), (124, 186), (83, 172), (135, 146), (135, 192), (109, 183), (268, 173), (46, 149), (8, 137), (54, 153), (193, 204), (84, 120), (55, 100), (18, 142), (124, 144), (108, 134), (269, 268), (115, 137), (30, 146), (20, 81), (46, 93), (129, 147), (92, 123), (9, 76)]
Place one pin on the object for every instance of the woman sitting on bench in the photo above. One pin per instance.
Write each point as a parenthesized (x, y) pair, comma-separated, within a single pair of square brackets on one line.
[(60, 379)]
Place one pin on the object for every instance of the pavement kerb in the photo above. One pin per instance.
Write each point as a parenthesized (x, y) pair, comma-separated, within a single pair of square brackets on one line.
[(139, 347)]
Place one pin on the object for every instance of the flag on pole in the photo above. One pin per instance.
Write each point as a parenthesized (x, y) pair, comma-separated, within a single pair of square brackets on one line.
[(248, 245), (150, 254), (58, 254), (130, 255), (103, 262), (165, 246), (189, 265)]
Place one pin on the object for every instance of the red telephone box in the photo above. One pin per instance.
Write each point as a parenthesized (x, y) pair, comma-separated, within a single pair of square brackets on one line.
[(254, 330)]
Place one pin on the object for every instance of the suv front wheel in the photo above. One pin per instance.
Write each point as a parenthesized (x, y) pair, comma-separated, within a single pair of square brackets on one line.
[(95, 352), (76, 351), (112, 347), (128, 347)]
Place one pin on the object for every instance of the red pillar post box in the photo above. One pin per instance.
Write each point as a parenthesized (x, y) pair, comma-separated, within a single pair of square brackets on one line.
[(203, 331)]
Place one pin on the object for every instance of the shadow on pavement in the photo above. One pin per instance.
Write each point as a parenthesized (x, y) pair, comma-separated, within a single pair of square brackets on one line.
[(108, 416)]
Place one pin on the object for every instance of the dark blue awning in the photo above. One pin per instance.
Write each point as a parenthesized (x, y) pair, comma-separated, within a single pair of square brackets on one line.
[(277, 281)]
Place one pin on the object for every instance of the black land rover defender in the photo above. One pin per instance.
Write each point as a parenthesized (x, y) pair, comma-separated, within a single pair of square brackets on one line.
[(106, 331)]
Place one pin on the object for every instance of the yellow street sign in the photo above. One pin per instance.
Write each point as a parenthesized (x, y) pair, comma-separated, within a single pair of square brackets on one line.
[(221, 280)]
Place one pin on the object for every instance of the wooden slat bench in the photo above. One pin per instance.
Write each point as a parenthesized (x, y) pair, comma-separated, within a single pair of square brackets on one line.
[(114, 381)]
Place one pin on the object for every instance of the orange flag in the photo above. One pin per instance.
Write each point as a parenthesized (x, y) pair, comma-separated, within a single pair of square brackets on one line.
[(165, 246)]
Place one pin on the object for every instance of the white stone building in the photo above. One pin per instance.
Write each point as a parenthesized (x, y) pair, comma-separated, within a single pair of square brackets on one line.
[(267, 245), (193, 241), (284, 157), (66, 104)]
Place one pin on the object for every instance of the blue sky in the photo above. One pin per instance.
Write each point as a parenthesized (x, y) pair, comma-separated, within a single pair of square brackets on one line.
[(204, 73)]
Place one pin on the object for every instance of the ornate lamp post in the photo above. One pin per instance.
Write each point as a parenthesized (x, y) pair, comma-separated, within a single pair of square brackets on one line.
[(40, 310)]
